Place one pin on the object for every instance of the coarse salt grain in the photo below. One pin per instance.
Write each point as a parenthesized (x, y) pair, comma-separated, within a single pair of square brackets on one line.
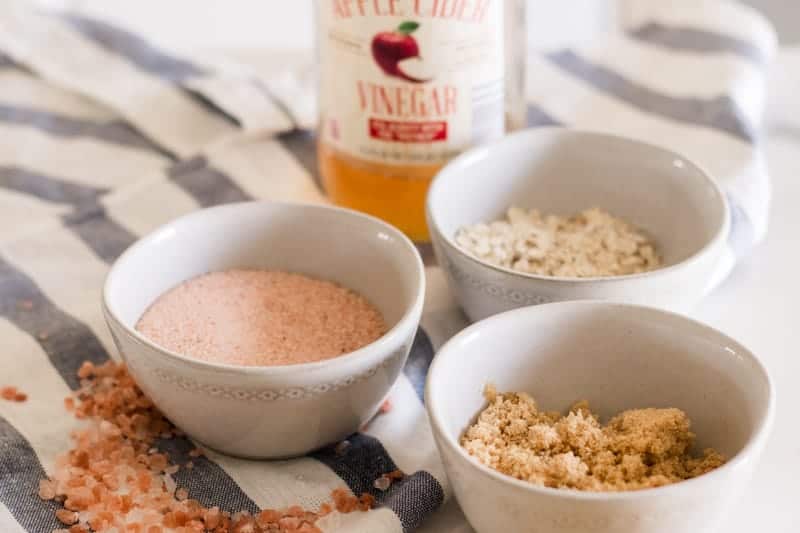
[(386, 407), (12, 394), (110, 480), (382, 483), (592, 243), (261, 318), (394, 475), (341, 448), (47, 489), (386, 480), (66, 517)]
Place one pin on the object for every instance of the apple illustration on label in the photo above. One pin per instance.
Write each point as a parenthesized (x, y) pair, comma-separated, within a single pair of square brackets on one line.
[(390, 48)]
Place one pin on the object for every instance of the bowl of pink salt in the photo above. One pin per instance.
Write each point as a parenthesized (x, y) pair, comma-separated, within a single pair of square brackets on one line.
[(267, 330)]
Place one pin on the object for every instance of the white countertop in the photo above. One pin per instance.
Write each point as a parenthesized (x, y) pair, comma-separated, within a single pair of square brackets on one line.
[(756, 306)]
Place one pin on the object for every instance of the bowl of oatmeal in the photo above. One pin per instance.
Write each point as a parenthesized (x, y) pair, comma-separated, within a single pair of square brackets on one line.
[(597, 416), (267, 330), (551, 214)]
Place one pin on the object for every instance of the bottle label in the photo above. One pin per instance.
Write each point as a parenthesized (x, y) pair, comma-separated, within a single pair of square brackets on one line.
[(410, 82)]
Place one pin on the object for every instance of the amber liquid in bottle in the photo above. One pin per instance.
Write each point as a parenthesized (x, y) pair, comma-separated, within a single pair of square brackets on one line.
[(394, 190)]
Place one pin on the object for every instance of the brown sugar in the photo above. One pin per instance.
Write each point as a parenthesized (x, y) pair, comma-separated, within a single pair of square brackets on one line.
[(113, 479), (261, 318), (637, 449)]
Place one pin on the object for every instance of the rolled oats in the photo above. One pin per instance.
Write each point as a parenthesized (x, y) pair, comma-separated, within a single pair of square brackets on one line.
[(592, 243)]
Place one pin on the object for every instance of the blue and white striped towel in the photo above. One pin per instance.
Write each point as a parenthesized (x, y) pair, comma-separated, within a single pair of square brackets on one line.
[(105, 137)]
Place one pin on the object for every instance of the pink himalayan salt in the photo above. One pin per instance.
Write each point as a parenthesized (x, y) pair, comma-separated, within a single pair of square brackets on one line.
[(107, 483), (261, 318)]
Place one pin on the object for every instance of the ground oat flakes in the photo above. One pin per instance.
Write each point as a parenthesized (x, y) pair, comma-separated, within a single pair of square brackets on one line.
[(637, 449), (592, 243)]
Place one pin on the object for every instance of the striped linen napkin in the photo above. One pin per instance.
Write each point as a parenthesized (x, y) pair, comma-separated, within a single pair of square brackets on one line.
[(106, 137)]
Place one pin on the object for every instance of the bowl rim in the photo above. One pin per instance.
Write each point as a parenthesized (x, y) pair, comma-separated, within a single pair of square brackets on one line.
[(386, 341), (748, 452), (481, 152)]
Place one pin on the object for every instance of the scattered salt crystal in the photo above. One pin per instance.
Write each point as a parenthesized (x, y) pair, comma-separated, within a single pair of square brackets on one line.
[(169, 483), (385, 481), (239, 515), (382, 483), (289, 523), (341, 448), (66, 517), (12, 394), (268, 517), (47, 489), (395, 475), (366, 502), (86, 370), (107, 481), (196, 452), (212, 517), (386, 406)]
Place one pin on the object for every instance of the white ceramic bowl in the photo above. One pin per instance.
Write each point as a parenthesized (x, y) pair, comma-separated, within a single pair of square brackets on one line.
[(282, 411), (563, 171), (618, 357)]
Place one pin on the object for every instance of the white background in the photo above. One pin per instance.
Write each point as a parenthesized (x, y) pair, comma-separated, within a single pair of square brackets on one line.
[(289, 23)]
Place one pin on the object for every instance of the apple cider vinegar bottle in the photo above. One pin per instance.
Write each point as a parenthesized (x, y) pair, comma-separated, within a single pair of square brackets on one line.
[(405, 86)]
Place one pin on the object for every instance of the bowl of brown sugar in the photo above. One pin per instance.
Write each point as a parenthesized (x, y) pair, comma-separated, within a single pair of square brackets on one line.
[(600, 417), (267, 330)]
